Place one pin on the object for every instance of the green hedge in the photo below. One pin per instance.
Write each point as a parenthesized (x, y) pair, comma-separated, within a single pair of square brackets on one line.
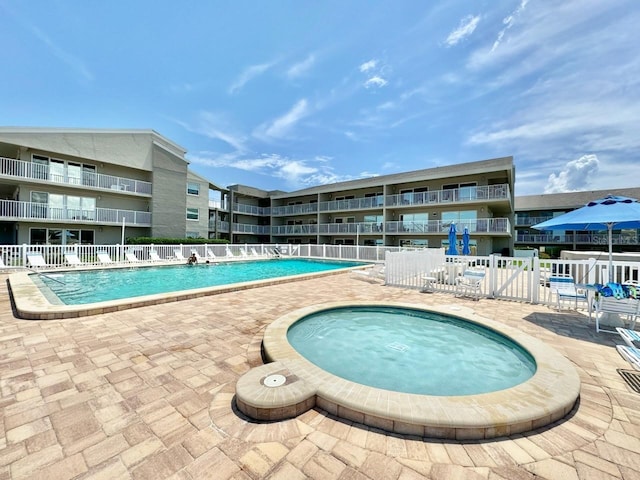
[(173, 241)]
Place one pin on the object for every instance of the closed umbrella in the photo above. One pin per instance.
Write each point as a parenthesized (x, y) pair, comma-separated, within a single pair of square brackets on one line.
[(452, 250), (465, 241), (603, 214)]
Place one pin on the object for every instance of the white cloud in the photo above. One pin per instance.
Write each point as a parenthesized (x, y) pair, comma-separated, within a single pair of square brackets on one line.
[(375, 81), (248, 74), (216, 127), (281, 126), (508, 23), (575, 175), (62, 55), (366, 66), (301, 68), (467, 26)]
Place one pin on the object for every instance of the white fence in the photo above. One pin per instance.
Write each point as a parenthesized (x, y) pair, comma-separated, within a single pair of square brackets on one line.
[(509, 278)]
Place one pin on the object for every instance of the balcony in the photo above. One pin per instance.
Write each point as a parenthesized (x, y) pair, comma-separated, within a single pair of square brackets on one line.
[(11, 210), (366, 203), (436, 197), (13, 168), (306, 229), (300, 209), (252, 229), (527, 221), (480, 225), (251, 209), (578, 239)]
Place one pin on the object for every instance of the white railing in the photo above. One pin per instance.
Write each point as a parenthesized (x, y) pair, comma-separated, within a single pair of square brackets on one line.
[(579, 238), (353, 204), (299, 209), (11, 167), (479, 225), (463, 194), (250, 209), (507, 278), (17, 210), (250, 228)]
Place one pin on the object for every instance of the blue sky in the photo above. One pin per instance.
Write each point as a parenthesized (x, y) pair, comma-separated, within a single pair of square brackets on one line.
[(290, 94)]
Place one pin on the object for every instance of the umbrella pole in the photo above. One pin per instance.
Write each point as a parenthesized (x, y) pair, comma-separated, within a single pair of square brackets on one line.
[(610, 229)]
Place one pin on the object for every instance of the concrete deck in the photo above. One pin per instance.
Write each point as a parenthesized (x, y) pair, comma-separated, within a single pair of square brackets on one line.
[(147, 393)]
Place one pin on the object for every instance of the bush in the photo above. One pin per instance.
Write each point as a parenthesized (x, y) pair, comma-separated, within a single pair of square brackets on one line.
[(173, 241)]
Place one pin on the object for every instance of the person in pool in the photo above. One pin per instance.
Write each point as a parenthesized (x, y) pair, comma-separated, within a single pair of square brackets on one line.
[(192, 259)]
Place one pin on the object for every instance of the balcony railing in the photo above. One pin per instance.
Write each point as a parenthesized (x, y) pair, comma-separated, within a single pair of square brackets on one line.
[(578, 239), (16, 210), (353, 204), (254, 229), (251, 209), (306, 229), (526, 220), (300, 209), (464, 194), (480, 225), (11, 167)]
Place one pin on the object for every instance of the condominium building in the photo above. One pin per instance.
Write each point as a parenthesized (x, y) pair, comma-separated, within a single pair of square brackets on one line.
[(66, 186), (405, 209), (534, 209)]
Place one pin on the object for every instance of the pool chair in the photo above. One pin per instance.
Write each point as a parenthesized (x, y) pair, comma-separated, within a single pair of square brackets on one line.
[(630, 354), (198, 257), (470, 283), (154, 257), (35, 259), (630, 337), (229, 253), (72, 258), (131, 257), (178, 254), (103, 257), (616, 309), (375, 273), (210, 254), (565, 290), (243, 252), (254, 252)]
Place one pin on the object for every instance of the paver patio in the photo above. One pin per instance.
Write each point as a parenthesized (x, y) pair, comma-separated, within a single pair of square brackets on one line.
[(148, 393)]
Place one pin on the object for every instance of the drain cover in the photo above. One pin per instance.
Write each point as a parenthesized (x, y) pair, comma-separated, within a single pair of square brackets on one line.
[(274, 380)]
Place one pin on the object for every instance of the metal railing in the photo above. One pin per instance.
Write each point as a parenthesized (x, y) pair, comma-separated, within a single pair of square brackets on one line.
[(17, 210), (526, 220), (300, 209), (353, 204), (463, 194), (480, 225), (11, 167), (578, 239), (251, 209)]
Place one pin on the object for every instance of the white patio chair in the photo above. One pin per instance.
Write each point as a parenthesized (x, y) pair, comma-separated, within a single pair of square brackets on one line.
[(131, 257), (470, 283), (630, 354), (154, 257), (178, 254), (35, 259), (566, 290), (374, 273), (103, 257), (72, 258)]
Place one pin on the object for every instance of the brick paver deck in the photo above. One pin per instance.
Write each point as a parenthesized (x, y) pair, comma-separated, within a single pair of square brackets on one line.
[(148, 394)]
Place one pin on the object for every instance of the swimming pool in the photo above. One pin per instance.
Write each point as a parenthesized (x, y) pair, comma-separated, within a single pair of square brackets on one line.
[(292, 384), (88, 292), (406, 350)]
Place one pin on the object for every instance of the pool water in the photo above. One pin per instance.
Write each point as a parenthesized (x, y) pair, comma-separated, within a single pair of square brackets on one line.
[(411, 351), (90, 286)]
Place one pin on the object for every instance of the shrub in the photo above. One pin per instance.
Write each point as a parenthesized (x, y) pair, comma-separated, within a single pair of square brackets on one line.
[(173, 241)]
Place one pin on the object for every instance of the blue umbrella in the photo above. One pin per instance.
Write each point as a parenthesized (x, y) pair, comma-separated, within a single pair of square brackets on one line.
[(452, 250), (465, 242), (603, 214)]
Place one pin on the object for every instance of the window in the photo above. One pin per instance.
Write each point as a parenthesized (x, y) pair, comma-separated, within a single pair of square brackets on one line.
[(192, 234), (193, 188), (62, 207), (63, 172), (193, 214), (60, 236)]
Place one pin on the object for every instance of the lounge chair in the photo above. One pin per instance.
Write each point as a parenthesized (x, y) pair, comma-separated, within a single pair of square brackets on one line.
[(630, 337), (630, 354), (470, 283), (72, 258), (103, 257), (131, 257), (198, 257), (35, 259), (254, 252), (178, 254), (229, 252), (243, 252), (374, 273), (210, 254), (566, 290), (154, 257)]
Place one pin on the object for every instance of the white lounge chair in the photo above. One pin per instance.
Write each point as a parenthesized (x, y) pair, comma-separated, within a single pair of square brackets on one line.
[(72, 258), (566, 291), (210, 254), (243, 252), (103, 257), (198, 257), (178, 254), (229, 252), (630, 354), (154, 257), (374, 273), (625, 308), (254, 252), (470, 283), (35, 259), (131, 257)]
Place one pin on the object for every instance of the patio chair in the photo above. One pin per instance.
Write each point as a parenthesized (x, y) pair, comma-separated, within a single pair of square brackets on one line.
[(178, 254), (374, 273), (566, 290), (470, 283), (630, 354), (103, 257), (35, 259), (228, 251), (254, 252), (626, 309), (210, 254), (154, 257), (72, 258), (131, 257)]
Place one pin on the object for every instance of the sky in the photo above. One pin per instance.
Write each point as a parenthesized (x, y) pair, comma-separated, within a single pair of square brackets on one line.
[(289, 94)]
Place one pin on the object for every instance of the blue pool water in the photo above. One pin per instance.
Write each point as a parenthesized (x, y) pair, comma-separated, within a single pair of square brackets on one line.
[(90, 286), (410, 351)]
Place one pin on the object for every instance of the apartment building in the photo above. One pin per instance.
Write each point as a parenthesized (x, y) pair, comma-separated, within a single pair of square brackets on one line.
[(406, 209), (67, 186), (534, 209)]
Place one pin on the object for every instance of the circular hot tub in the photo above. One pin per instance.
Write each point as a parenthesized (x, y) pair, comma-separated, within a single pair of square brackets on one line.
[(335, 355)]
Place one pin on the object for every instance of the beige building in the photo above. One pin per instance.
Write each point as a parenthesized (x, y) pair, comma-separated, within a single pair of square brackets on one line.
[(65, 186)]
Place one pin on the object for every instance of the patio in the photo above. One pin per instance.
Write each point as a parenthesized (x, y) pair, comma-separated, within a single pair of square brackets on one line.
[(147, 393)]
